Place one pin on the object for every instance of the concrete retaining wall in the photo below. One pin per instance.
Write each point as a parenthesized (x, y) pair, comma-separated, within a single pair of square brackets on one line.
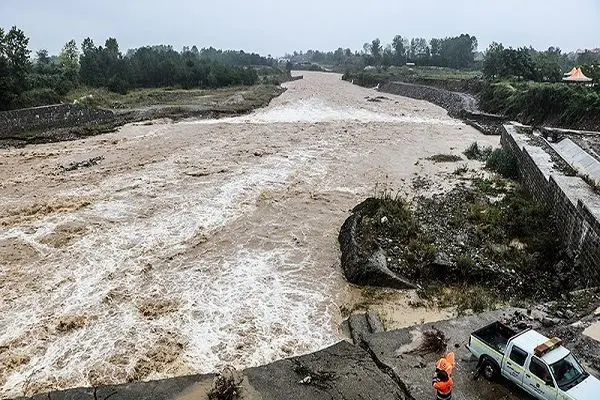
[(458, 105), (48, 117), (451, 101), (574, 204)]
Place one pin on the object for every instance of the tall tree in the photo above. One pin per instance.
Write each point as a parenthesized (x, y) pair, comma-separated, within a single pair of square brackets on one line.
[(399, 44), (89, 62), (14, 65), (376, 50), (42, 61), (69, 61), (419, 50)]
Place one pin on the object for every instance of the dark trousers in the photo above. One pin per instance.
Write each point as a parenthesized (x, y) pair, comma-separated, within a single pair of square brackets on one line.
[(441, 396)]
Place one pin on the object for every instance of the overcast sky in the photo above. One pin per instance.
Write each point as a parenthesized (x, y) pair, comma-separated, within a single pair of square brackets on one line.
[(279, 26)]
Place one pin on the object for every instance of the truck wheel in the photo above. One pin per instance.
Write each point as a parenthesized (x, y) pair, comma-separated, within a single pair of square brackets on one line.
[(490, 370)]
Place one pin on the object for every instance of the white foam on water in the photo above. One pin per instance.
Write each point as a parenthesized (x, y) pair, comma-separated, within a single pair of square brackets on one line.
[(313, 110), (247, 309), (270, 313)]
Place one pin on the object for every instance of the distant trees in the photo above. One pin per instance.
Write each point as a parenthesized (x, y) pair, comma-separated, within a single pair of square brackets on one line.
[(525, 63), (590, 64), (163, 66), (455, 52), (419, 51), (23, 83), (503, 62)]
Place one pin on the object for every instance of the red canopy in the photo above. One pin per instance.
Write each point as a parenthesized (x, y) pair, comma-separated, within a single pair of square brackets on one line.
[(577, 76)]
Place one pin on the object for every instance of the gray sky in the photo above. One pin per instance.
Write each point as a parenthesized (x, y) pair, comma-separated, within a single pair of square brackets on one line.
[(279, 26)]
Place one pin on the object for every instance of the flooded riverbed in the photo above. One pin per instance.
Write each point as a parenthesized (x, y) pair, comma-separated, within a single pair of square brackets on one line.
[(202, 243)]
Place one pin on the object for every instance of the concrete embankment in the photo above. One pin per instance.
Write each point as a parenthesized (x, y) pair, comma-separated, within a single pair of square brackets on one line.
[(458, 105)]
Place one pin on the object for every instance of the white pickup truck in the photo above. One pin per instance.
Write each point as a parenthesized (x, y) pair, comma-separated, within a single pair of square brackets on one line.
[(540, 366)]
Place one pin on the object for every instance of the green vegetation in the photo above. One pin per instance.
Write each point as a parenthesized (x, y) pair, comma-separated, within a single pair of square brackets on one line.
[(536, 103), (440, 158), (490, 187), (102, 97), (452, 52), (474, 152), (389, 215), (504, 162), (467, 249), (498, 160), (49, 79)]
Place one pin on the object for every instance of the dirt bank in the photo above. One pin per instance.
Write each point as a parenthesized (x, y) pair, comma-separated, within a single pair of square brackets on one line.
[(98, 113)]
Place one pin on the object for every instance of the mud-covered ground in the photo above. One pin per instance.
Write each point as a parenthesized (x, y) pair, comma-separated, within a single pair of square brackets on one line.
[(171, 248)]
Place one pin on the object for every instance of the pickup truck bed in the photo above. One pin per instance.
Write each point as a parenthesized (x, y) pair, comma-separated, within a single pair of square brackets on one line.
[(495, 335)]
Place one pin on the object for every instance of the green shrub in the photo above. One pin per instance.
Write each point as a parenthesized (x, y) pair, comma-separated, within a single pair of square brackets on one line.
[(440, 158), (538, 103), (504, 162), (37, 97), (461, 169), (389, 216), (474, 152)]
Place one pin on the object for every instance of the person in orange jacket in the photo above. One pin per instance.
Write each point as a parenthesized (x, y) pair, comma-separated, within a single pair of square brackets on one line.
[(447, 364), (443, 384), (442, 378)]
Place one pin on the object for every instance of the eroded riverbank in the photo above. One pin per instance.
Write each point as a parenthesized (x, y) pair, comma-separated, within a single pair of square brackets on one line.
[(197, 244)]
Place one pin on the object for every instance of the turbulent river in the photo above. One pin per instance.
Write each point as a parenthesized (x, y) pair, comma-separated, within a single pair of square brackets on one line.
[(198, 244)]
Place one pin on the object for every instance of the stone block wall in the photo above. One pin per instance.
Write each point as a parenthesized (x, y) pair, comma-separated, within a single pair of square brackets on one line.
[(451, 101), (575, 206), (48, 117)]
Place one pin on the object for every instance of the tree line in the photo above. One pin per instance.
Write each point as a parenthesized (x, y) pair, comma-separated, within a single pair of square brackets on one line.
[(46, 79), (457, 52), (453, 52), (540, 66)]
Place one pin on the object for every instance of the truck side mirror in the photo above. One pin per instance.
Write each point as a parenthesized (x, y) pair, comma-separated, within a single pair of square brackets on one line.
[(549, 382)]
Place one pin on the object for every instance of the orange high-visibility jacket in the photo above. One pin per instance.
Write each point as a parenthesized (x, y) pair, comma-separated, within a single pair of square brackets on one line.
[(447, 364), (444, 387)]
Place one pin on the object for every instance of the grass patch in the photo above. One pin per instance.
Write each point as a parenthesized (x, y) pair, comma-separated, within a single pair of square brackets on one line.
[(490, 187), (461, 169), (476, 152), (209, 98), (441, 158), (389, 216)]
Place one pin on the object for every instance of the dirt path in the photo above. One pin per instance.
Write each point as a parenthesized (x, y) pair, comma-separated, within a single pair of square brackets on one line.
[(202, 243)]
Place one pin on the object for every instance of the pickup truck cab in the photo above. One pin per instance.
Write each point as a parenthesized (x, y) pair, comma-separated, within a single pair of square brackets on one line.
[(539, 365)]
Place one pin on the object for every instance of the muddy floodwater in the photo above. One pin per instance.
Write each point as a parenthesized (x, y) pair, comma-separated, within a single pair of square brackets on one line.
[(198, 244)]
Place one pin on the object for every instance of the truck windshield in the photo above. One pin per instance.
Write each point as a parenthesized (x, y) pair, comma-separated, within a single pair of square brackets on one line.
[(568, 372)]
